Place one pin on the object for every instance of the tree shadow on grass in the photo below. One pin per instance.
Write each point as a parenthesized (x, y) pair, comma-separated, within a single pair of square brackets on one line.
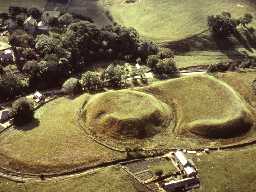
[(29, 126), (251, 37), (241, 39), (228, 47)]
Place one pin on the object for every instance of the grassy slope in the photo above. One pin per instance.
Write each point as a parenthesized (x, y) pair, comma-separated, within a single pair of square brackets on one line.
[(56, 144), (172, 20), (193, 95), (241, 82)]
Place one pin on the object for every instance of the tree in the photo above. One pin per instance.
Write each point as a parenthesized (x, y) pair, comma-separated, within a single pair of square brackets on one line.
[(10, 86), (22, 111), (166, 68), (72, 86), (35, 13), (222, 25), (152, 60), (91, 81), (46, 44), (159, 172), (19, 38), (246, 19), (65, 19)]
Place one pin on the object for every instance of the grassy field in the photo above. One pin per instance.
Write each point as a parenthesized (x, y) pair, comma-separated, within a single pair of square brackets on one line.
[(171, 20), (55, 144), (229, 171), (200, 58)]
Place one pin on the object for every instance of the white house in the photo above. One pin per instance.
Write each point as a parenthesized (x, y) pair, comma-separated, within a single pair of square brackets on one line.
[(38, 97), (30, 24)]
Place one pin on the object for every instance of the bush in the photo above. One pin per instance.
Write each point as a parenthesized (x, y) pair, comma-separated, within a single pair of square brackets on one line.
[(166, 68), (91, 81), (165, 53), (72, 86), (22, 111), (65, 19), (254, 86), (152, 60), (115, 76)]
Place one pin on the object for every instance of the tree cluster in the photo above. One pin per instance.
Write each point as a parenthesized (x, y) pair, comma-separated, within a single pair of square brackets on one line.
[(223, 25), (67, 47), (163, 64)]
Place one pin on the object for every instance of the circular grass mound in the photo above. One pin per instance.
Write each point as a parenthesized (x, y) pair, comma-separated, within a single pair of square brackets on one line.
[(126, 114)]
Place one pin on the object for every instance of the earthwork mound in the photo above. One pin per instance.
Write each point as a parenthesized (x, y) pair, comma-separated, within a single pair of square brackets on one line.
[(126, 114)]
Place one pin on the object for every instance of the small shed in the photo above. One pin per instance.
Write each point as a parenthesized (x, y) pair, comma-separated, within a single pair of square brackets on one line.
[(5, 115), (38, 97)]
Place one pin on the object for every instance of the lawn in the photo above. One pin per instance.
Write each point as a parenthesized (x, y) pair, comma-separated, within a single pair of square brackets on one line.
[(172, 20), (56, 144)]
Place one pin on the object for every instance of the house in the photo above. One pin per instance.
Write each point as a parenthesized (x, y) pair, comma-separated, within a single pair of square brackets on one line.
[(48, 16), (7, 56), (30, 25), (42, 27), (5, 115), (38, 97), (185, 184)]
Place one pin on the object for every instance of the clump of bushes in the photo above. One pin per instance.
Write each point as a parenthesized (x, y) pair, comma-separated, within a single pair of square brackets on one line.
[(91, 81), (22, 111), (163, 64)]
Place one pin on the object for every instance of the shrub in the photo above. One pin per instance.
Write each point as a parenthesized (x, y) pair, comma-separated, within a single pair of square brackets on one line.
[(165, 53), (254, 86), (152, 60), (246, 19), (22, 111), (115, 76), (72, 86), (65, 19), (166, 68), (91, 81)]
